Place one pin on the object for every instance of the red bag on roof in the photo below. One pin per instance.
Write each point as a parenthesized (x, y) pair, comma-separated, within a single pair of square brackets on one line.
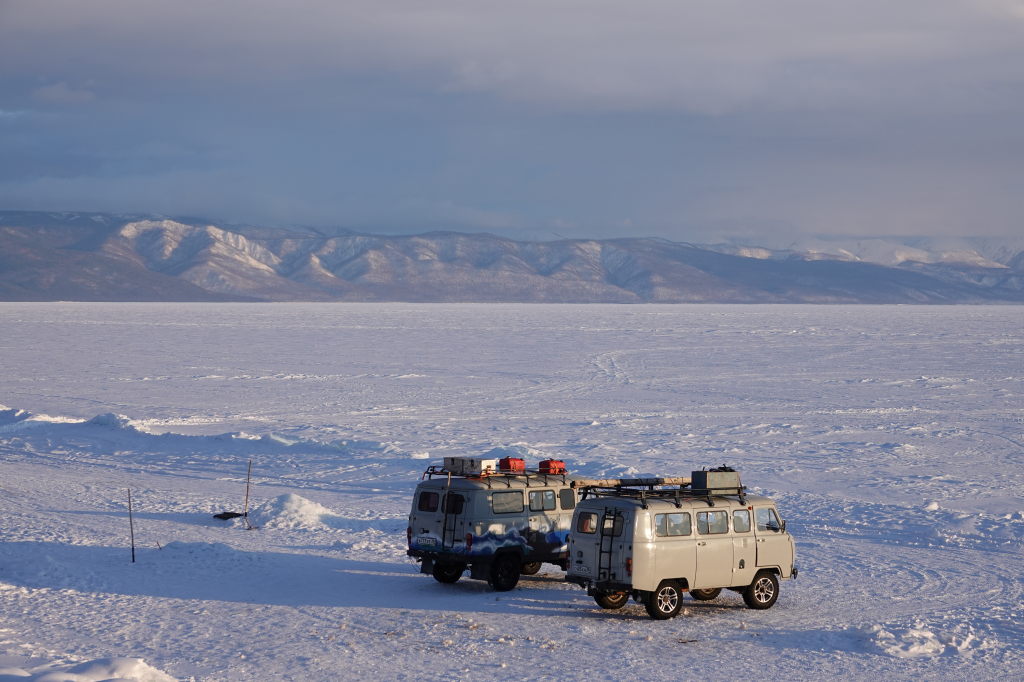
[(511, 465), (552, 466)]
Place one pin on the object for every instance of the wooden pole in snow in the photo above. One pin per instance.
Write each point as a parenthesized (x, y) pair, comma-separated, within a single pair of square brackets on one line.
[(245, 509), (615, 482), (131, 524)]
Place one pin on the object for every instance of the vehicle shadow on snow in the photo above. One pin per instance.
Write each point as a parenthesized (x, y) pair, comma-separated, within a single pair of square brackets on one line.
[(218, 572)]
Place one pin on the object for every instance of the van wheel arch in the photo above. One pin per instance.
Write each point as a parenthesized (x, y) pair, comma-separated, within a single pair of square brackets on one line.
[(665, 601), (763, 592)]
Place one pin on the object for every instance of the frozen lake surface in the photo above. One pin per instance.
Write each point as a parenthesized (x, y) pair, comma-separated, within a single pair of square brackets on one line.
[(891, 437)]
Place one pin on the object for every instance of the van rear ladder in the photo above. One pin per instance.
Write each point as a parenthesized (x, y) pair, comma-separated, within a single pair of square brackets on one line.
[(612, 519)]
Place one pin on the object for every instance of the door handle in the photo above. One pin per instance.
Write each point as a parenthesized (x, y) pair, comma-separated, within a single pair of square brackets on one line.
[(701, 543)]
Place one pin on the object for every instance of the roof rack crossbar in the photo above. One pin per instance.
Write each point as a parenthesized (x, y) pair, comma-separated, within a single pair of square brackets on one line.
[(491, 477)]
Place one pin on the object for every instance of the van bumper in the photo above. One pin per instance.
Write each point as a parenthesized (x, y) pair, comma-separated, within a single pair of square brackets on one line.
[(598, 587)]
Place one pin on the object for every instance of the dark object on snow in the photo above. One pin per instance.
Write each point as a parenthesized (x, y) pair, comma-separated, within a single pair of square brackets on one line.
[(234, 515)]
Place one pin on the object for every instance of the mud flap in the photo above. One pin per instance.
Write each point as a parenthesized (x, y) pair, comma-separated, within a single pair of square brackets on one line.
[(427, 566)]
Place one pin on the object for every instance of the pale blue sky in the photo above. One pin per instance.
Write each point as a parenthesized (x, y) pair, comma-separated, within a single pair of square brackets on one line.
[(534, 119)]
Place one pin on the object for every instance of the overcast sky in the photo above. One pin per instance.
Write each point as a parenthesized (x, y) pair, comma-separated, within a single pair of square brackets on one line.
[(679, 118)]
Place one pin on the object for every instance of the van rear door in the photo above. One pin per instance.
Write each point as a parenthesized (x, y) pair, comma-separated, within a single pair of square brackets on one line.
[(599, 540), (427, 519)]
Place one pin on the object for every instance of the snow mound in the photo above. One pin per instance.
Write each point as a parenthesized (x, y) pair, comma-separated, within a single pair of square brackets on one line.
[(10, 415), (99, 670), (292, 511), (113, 421), (918, 640)]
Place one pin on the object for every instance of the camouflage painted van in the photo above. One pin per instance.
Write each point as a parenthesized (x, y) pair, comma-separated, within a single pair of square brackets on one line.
[(498, 525)]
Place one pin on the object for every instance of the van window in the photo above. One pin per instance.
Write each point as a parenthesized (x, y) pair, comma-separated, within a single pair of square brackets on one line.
[(428, 501), (612, 526), (672, 524), (741, 521), (586, 523), (767, 520), (453, 503), (507, 503), (542, 500), (712, 522), (567, 498)]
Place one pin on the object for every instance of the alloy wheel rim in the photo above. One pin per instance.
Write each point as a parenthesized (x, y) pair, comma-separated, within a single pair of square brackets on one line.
[(667, 600), (764, 590)]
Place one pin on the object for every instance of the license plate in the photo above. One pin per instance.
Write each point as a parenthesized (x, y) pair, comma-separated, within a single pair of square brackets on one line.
[(581, 569), (426, 542)]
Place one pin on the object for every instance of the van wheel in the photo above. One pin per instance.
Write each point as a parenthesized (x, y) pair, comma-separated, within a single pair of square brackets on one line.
[(447, 573), (664, 602), (530, 568), (504, 574), (763, 592), (611, 600), (706, 595)]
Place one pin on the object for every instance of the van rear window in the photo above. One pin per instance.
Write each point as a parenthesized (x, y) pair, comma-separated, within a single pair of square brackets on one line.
[(612, 526), (428, 501), (667, 525), (507, 503), (586, 522), (453, 503)]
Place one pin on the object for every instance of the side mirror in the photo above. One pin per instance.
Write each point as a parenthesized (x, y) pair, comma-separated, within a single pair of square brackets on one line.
[(783, 526)]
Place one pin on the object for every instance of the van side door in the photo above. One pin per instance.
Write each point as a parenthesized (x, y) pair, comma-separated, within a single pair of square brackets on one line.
[(744, 548), (675, 555), (714, 550), (542, 536)]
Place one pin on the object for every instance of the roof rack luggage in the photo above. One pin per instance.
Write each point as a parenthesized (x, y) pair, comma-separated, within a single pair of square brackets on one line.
[(705, 484), (491, 473)]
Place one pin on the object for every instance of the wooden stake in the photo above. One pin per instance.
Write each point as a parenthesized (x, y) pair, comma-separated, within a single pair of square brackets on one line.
[(131, 524), (245, 509)]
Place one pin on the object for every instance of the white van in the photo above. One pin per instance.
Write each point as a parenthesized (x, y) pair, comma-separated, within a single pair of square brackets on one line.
[(653, 543), (469, 514)]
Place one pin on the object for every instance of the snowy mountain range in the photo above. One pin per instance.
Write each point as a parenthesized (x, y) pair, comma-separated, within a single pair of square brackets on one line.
[(106, 257)]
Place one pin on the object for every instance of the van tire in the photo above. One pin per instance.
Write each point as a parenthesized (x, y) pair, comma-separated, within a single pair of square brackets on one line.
[(763, 592), (447, 573), (530, 568), (706, 595), (504, 573), (611, 600), (664, 602)]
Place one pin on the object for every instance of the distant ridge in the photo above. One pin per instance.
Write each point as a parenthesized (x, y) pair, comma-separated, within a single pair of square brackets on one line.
[(107, 257)]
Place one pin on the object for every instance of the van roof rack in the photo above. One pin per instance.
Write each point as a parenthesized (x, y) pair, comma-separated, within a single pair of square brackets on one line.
[(644, 489), (528, 476)]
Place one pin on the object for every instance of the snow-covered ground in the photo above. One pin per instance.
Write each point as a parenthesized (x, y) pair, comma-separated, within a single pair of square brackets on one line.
[(891, 437)]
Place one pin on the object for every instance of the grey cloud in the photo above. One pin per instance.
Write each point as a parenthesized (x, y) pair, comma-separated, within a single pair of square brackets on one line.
[(62, 93), (706, 56), (574, 116)]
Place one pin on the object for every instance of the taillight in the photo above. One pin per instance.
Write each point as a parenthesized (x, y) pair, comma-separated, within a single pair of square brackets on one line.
[(629, 566), (469, 541), (408, 536)]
